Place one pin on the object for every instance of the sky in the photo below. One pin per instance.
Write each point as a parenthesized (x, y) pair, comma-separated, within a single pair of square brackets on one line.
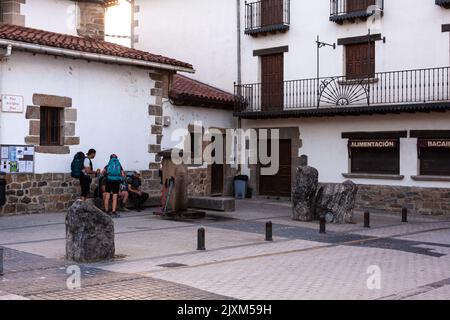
[(118, 22)]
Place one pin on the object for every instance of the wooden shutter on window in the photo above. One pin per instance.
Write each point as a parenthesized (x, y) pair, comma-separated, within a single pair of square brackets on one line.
[(272, 86), (357, 60), (359, 5), (271, 12), (50, 126)]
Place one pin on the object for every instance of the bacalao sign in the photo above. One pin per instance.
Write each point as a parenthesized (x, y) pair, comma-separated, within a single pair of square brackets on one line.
[(434, 143)]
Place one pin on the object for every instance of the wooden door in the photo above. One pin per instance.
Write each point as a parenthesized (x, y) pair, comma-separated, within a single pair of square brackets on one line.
[(272, 85), (359, 5), (279, 185), (271, 12), (357, 60)]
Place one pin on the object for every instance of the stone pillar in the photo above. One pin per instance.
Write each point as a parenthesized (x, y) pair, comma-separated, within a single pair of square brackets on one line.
[(10, 12), (91, 22)]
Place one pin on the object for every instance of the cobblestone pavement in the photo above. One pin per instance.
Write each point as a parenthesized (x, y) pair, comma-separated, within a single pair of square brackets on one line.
[(411, 259), (33, 277)]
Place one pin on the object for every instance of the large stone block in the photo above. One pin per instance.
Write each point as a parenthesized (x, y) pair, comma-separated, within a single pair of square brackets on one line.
[(304, 193), (337, 200), (89, 233), (52, 101)]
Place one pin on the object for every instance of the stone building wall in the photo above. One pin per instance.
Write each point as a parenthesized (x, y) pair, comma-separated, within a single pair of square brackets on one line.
[(54, 192), (424, 201), (92, 20), (199, 183), (10, 12)]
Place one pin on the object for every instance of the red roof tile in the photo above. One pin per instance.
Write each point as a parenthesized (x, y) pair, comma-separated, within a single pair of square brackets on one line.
[(64, 41), (184, 88)]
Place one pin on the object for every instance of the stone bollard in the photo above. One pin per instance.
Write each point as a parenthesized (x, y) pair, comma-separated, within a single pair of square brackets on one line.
[(366, 219), (322, 222), (201, 239), (269, 231), (1, 261), (404, 214)]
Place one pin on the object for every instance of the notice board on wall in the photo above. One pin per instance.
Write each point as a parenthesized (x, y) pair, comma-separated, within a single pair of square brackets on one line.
[(16, 159)]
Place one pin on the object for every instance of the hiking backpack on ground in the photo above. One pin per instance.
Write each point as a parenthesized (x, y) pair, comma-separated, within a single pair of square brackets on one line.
[(114, 170), (77, 165)]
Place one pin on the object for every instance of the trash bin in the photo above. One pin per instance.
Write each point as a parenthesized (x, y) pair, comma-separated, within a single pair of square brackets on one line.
[(2, 188), (240, 186)]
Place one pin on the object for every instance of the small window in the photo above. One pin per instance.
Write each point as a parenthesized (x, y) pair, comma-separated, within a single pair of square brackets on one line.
[(359, 63), (50, 126), (375, 156), (434, 157)]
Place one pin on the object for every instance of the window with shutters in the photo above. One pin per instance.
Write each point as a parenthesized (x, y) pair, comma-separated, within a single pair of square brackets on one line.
[(375, 156), (434, 157), (50, 126), (266, 16), (360, 60)]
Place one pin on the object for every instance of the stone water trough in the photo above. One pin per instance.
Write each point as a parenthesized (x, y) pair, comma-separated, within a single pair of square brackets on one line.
[(310, 200)]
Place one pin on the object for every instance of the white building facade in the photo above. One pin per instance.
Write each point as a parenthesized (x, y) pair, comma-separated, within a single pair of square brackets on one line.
[(62, 94), (375, 111)]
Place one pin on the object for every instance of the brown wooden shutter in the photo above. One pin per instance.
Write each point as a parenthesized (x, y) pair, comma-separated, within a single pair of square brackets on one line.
[(359, 5), (357, 60), (272, 86), (271, 12)]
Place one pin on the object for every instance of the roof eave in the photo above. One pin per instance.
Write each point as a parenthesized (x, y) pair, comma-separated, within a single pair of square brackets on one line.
[(42, 49)]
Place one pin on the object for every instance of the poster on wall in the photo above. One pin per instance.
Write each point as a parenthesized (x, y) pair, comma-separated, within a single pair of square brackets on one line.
[(16, 159), (12, 103)]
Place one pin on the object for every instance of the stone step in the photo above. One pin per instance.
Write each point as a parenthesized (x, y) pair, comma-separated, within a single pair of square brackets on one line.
[(224, 204)]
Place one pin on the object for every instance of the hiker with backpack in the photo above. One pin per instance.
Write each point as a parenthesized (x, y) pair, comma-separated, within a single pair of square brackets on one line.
[(134, 189), (82, 169), (114, 177)]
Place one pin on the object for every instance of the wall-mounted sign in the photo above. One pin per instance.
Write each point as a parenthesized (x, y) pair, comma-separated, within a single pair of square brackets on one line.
[(386, 143), (434, 143), (12, 104), (16, 159)]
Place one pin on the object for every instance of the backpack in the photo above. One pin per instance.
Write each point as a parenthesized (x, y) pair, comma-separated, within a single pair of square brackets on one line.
[(77, 165), (114, 170)]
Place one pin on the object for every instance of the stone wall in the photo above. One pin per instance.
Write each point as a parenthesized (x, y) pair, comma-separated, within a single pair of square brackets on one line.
[(10, 12), (92, 20), (424, 201), (199, 184), (54, 192)]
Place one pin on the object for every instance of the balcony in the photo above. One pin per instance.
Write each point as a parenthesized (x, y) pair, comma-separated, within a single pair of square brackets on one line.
[(267, 16), (350, 10), (443, 3), (422, 90)]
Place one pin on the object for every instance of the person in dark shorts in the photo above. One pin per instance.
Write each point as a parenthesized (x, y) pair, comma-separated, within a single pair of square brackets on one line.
[(134, 189), (114, 177), (86, 172)]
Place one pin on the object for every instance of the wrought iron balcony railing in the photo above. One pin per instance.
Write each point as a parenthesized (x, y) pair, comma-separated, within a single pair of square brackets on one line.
[(443, 3), (267, 16), (342, 10), (394, 88)]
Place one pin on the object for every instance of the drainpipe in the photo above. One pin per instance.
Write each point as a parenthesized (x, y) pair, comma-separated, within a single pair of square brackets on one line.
[(4, 56), (239, 61), (8, 52)]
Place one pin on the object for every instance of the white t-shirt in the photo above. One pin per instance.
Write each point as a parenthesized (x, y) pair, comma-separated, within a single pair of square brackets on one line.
[(86, 163)]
